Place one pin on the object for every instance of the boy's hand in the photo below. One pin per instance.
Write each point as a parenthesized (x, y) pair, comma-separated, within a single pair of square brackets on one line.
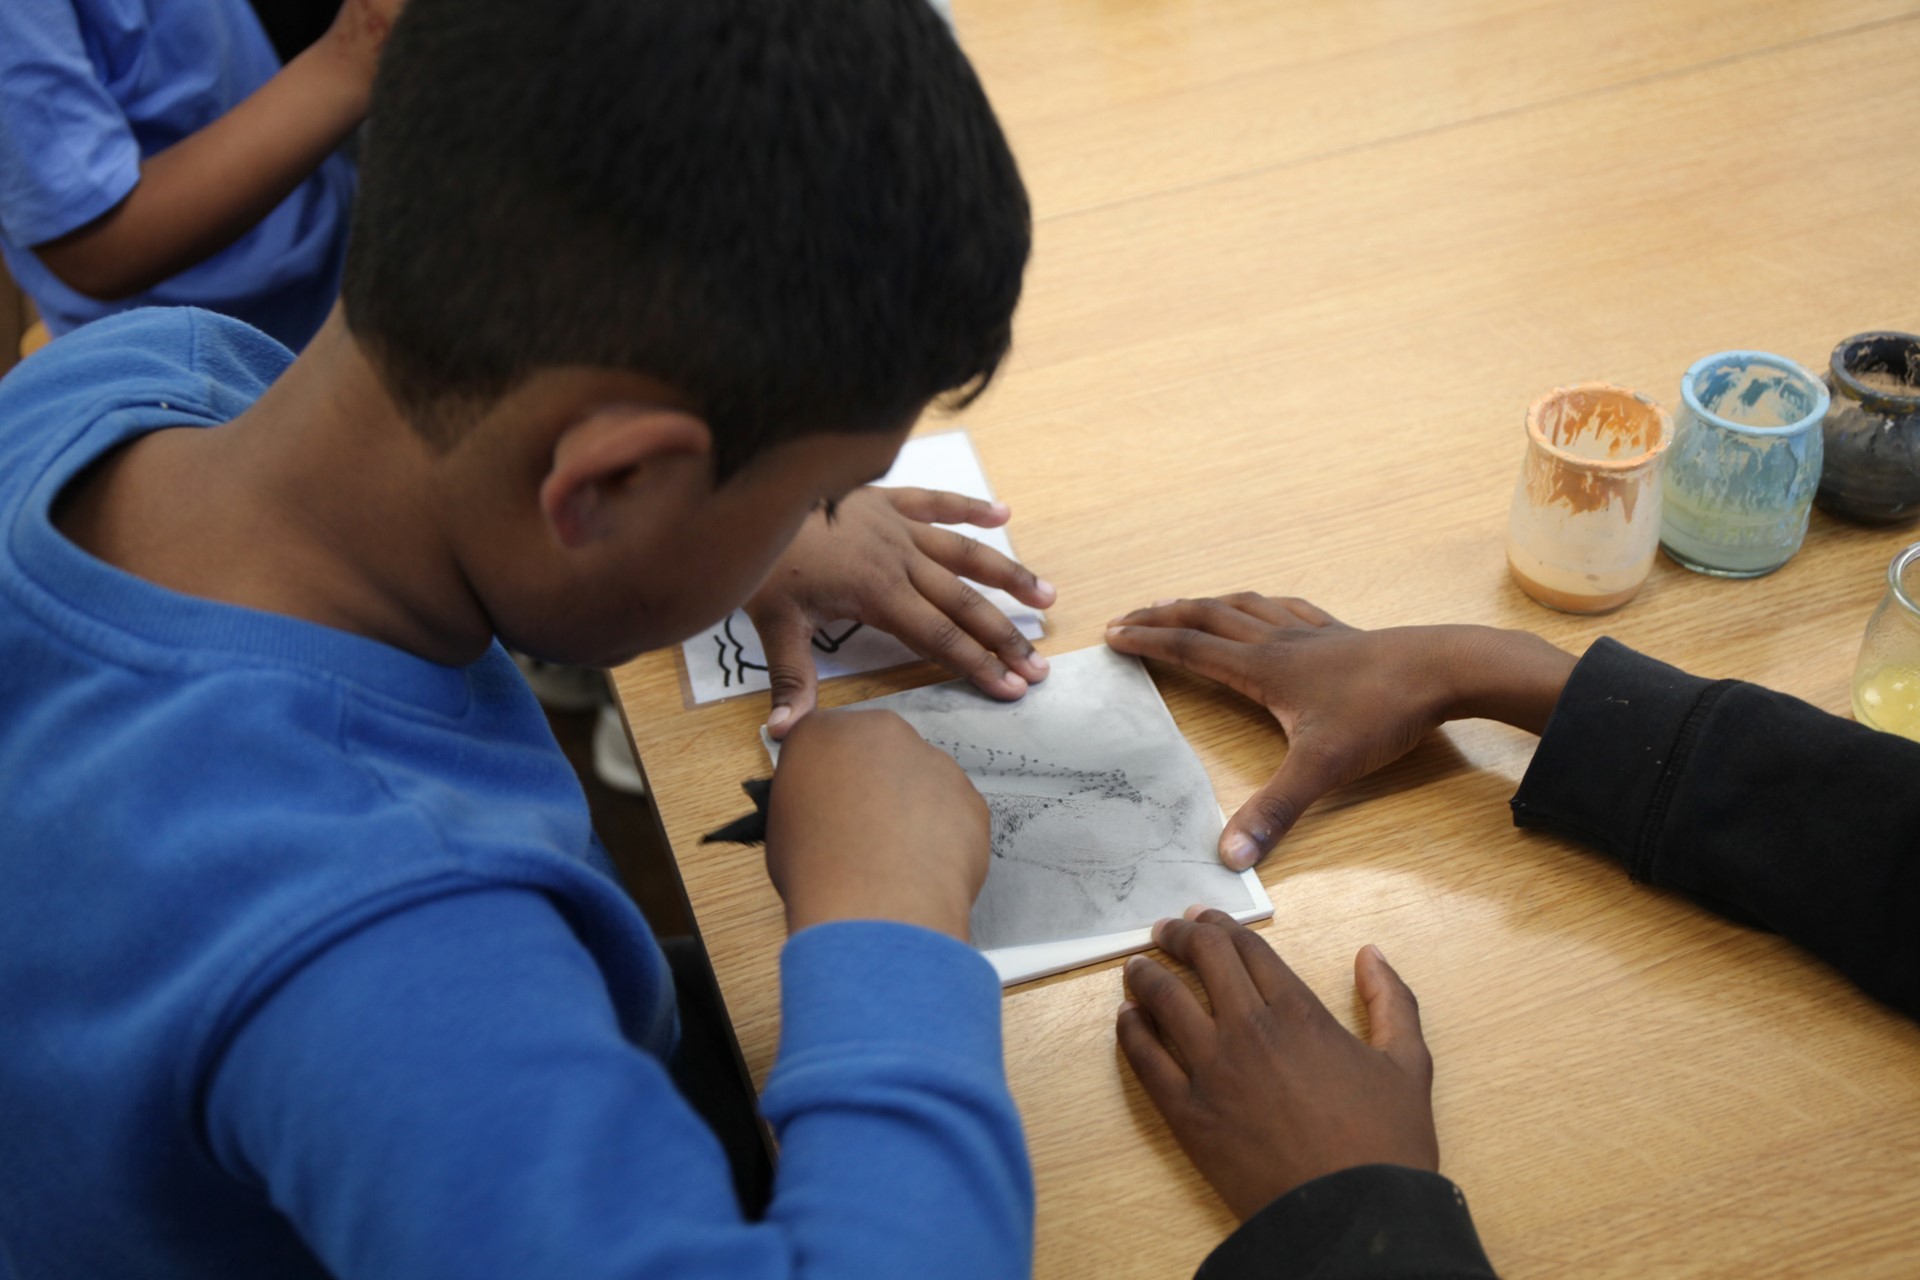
[(868, 822), (1268, 1092), (880, 561), (1349, 701)]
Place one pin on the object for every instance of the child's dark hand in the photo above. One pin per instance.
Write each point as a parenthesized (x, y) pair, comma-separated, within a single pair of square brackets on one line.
[(1349, 701), (1268, 1092), (868, 822), (881, 561)]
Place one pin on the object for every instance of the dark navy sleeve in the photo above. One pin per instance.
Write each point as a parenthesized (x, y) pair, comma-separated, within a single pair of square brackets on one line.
[(447, 1093), (1376, 1222), (1756, 804)]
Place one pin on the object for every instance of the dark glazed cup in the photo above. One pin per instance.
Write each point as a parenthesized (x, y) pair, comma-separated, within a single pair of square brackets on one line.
[(1872, 429)]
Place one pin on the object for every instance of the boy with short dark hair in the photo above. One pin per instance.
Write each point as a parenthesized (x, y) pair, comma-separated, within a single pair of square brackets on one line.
[(312, 964)]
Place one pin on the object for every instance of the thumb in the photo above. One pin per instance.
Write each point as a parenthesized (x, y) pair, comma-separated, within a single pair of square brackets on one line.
[(1393, 1014), (1308, 772), (787, 636)]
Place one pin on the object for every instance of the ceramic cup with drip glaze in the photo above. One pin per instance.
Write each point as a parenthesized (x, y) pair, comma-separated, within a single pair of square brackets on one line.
[(1872, 432), (1745, 463), (1586, 512)]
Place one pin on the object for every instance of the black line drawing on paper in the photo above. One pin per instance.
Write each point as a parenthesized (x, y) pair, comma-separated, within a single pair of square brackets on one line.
[(731, 652), (826, 642), (734, 671)]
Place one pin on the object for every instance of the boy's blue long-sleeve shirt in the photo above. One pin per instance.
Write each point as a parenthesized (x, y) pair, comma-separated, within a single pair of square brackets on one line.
[(309, 962), (91, 88)]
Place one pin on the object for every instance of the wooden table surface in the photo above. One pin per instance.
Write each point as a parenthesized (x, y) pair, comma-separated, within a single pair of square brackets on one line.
[(1299, 269)]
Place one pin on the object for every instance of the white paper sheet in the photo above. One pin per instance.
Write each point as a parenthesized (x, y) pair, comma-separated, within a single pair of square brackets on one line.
[(727, 659), (1104, 820)]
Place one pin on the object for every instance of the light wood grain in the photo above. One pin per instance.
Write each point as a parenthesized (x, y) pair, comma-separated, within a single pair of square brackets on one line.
[(1299, 269), (1110, 101)]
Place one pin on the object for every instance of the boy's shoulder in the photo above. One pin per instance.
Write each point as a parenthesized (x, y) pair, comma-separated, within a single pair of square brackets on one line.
[(188, 837), (181, 842), (149, 344), (169, 360), (254, 778)]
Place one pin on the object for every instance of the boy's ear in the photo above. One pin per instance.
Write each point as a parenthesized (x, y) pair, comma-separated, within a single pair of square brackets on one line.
[(608, 453)]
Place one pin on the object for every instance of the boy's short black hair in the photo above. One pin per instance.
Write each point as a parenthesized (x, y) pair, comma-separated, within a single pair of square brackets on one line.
[(802, 213)]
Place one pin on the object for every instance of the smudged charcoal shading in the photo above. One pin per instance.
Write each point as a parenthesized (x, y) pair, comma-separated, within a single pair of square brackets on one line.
[(1103, 818)]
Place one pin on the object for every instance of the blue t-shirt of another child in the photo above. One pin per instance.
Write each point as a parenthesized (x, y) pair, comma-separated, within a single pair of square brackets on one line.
[(310, 963), (90, 88)]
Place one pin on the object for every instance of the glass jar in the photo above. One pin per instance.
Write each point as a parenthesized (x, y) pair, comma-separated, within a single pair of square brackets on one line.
[(1872, 431), (1586, 510), (1886, 680), (1746, 460)]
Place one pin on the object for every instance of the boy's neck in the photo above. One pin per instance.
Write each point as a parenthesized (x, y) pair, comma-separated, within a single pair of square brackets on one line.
[(318, 502)]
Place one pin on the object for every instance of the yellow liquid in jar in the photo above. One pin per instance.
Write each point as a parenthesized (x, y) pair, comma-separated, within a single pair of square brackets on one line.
[(1889, 700)]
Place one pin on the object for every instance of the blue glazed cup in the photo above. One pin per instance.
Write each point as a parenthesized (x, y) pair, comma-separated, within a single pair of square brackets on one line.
[(1744, 465)]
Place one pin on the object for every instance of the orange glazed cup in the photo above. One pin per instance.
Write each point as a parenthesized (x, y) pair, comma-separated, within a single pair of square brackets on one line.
[(1585, 520)]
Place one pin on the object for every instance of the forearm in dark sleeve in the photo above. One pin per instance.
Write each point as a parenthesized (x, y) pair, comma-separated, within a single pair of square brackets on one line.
[(1757, 804), (1376, 1222)]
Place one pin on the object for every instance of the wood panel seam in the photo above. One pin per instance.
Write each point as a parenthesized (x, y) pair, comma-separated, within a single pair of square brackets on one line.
[(1485, 117)]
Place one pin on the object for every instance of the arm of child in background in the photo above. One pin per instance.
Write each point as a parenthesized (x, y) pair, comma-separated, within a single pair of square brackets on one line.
[(449, 1093), (878, 559), (1322, 1144), (201, 194), (1756, 804)]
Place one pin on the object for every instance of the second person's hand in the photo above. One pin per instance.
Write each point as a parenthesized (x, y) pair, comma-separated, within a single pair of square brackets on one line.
[(1349, 701), (1265, 1090)]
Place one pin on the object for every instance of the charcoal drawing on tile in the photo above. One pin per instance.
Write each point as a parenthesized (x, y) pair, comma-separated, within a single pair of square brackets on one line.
[(1103, 818)]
